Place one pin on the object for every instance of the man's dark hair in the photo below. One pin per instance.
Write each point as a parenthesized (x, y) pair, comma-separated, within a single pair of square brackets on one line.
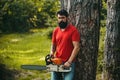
[(63, 12)]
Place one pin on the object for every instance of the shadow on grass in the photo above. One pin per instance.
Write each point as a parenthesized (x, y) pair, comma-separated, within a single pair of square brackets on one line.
[(7, 74)]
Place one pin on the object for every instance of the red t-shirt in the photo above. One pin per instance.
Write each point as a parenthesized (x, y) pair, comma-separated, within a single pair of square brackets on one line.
[(63, 41)]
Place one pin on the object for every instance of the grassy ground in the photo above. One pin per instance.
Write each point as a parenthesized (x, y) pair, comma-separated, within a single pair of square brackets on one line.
[(29, 48)]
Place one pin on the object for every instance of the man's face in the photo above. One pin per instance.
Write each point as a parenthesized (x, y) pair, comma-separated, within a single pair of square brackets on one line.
[(62, 18)]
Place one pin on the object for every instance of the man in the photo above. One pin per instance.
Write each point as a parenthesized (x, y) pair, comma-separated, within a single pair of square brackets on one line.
[(65, 45)]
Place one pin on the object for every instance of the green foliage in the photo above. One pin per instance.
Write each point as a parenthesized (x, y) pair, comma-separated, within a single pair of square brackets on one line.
[(21, 15), (17, 15), (101, 50), (104, 10), (48, 13), (102, 37), (103, 13)]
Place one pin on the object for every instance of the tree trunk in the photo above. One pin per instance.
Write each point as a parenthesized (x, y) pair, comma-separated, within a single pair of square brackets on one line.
[(112, 41), (84, 14)]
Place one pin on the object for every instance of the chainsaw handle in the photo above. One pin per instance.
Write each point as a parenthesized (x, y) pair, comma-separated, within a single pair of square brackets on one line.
[(51, 60), (48, 59)]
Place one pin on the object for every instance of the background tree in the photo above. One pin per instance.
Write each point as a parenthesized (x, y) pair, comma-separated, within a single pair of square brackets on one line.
[(85, 15), (112, 41)]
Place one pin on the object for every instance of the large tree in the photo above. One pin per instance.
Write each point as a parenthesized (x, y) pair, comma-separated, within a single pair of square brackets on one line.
[(84, 14), (112, 41)]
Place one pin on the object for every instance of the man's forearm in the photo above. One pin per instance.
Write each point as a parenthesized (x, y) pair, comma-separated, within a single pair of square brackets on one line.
[(53, 49), (74, 52), (73, 55)]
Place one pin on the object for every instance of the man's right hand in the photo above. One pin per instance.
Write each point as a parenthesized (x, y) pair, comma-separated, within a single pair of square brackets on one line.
[(52, 55)]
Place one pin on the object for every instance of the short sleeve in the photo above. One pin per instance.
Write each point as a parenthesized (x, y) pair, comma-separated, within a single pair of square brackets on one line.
[(76, 35)]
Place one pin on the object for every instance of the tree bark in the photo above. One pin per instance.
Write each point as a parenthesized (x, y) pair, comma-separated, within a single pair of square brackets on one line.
[(112, 42), (84, 14)]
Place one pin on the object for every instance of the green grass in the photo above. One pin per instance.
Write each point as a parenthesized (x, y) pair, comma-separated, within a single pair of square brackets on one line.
[(29, 48)]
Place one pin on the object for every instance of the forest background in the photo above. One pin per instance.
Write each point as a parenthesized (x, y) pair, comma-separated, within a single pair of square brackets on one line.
[(25, 37)]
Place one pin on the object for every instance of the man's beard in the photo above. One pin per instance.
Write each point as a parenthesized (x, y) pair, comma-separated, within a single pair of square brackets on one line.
[(62, 24)]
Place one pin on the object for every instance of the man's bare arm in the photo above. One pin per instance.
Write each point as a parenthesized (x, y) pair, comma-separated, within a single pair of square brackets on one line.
[(74, 53), (53, 49)]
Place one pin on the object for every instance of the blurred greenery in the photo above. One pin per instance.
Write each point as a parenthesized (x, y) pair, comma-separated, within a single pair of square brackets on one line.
[(31, 47), (28, 48), (22, 15), (102, 36), (101, 40)]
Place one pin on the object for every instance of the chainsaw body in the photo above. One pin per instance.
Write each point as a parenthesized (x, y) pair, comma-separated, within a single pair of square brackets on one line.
[(55, 64), (57, 68)]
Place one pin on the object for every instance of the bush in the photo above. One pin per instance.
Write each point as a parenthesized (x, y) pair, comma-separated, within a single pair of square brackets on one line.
[(21, 15)]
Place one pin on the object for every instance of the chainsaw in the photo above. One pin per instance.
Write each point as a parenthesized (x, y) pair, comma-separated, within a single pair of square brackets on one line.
[(52, 64)]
